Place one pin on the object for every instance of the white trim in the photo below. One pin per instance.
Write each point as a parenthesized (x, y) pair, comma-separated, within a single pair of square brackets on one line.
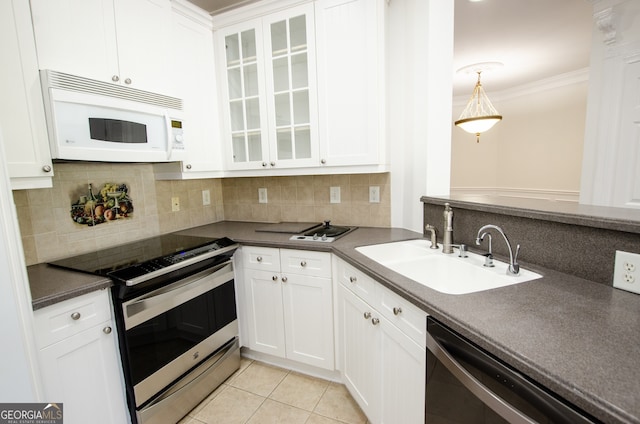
[(17, 282), (192, 12), (557, 81), (523, 193), (253, 10)]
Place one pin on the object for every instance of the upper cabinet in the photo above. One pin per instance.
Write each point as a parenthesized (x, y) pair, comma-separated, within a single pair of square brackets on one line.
[(120, 41), (302, 89), (23, 128), (268, 85), (350, 54)]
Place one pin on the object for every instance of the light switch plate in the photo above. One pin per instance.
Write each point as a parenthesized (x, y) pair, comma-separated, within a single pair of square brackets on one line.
[(206, 197), (334, 194), (262, 195), (175, 204), (374, 194), (626, 273)]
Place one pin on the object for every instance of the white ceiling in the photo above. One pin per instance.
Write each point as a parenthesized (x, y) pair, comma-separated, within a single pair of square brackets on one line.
[(534, 39)]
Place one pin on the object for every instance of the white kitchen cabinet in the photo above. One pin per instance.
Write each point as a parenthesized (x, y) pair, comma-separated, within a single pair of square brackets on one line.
[(289, 306), (120, 41), (350, 55), (23, 129), (383, 367), (194, 81), (267, 81), (79, 359)]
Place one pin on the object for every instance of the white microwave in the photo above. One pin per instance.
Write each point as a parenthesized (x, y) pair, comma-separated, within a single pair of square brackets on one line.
[(92, 120)]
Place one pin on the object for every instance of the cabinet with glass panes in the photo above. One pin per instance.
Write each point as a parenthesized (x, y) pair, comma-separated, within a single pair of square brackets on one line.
[(268, 88)]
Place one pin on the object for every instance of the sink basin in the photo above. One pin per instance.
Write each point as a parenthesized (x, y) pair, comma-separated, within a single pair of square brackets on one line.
[(446, 273)]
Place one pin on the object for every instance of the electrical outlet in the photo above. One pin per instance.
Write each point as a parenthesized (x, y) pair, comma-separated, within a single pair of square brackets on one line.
[(206, 197), (262, 195), (374, 194), (627, 271), (334, 194), (175, 204)]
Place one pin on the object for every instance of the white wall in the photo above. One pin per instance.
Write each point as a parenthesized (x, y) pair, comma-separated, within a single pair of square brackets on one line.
[(419, 86), (535, 151)]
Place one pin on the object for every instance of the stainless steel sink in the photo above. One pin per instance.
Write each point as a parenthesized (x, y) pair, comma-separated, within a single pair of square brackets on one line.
[(446, 273)]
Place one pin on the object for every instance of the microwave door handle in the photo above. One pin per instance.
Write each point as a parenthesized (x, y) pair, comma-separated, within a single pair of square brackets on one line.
[(167, 121), (489, 398)]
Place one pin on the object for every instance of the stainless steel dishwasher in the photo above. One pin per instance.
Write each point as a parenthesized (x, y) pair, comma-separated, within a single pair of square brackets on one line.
[(466, 384)]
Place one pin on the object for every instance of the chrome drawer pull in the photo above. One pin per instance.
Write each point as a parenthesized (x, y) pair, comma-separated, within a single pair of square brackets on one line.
[(353, 279), (106, 330), (303, 264), (367, 315), (284, 279), (75, 316), (375, 321), (397, 311), (274, 278), (259, 259)]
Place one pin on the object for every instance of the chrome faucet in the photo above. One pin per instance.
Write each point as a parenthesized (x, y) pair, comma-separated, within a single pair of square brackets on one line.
[(434, 240), (447, 238), (514, 267)]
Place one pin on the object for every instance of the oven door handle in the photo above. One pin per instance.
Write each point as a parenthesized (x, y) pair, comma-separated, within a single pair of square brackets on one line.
[(158, 301), (481, 391)]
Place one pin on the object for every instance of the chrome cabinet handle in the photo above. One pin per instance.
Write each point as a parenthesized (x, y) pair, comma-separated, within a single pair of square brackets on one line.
[(303, 264), (188, 166), (367, 315), (259, 259), (274, 278), (323, 161), (75, 316), (353, 279), (127, 81), (264, 164), (284, 279), (375, 321), (46, 168), (115, 78), (273, 164), (106, 330), (397, 311)]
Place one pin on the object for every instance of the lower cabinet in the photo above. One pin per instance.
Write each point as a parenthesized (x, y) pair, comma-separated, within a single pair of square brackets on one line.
[(383, 368), (289, 306), (79, 360)]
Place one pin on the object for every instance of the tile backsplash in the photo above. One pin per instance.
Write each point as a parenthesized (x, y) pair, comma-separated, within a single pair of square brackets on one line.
[(48, 232), (306, 199)]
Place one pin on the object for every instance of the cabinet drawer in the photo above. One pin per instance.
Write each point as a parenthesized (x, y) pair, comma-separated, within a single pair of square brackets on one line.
[(264, 258), (410, 319), (303, 262), (356, 281), (57, 322)]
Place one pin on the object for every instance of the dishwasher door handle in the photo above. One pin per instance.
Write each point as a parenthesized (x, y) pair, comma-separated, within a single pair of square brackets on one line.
[(481, 391)]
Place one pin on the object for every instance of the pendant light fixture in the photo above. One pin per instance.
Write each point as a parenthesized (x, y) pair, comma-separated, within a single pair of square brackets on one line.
[(479, 115)]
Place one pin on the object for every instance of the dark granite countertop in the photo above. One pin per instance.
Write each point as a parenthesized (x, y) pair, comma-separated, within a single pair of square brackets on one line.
[(576, 337), (50, 284)]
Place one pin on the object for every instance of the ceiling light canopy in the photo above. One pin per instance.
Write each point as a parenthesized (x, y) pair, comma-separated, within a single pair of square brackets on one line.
[(479, 115)]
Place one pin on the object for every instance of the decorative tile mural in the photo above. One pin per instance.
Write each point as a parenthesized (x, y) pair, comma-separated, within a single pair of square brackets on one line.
[(112, 202)]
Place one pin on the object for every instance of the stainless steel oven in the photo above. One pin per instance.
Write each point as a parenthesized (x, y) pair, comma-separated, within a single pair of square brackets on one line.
[(175, 310), (466, 384)]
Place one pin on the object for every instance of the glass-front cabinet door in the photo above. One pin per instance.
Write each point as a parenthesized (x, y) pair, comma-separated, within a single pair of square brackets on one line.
[(270, 105), (291, 85), (245, 127)]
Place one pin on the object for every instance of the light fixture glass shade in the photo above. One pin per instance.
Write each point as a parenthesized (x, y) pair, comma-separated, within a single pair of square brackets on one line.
[(479, 115)]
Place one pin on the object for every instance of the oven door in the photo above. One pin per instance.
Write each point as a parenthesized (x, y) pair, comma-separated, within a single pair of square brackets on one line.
[(465, 384), (172, 329)]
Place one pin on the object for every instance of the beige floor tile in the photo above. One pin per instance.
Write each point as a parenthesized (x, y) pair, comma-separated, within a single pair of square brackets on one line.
[(272, 412), (300, 391), (231, 406), (319, 419), (208, 399), (259, 378), (338, 404)]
